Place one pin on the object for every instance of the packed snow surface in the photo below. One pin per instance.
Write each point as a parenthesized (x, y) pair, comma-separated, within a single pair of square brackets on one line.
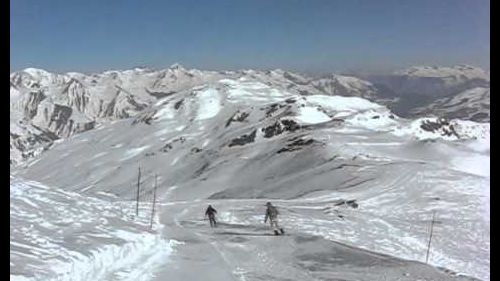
[(59, 235)]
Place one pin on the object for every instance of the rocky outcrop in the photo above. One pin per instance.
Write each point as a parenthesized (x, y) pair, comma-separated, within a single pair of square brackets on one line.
[(279, 127), (244, 139), (441, 126)]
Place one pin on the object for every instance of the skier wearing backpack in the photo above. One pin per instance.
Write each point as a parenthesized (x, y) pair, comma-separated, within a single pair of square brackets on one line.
[(210, 212), (272, 214)]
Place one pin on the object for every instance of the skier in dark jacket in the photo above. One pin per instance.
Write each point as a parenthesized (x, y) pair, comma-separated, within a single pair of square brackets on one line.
[(210, 212), (272, 214)]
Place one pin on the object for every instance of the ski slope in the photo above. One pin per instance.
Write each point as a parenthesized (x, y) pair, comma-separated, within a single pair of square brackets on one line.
[(242, 247), (237, 143)]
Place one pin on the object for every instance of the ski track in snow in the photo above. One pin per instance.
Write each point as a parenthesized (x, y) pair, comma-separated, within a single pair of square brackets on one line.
[(353, 231), (246, 252)]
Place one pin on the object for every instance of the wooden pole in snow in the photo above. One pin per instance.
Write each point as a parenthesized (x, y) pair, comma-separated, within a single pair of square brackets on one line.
[(138, 190), (154, 201), (430, 237)]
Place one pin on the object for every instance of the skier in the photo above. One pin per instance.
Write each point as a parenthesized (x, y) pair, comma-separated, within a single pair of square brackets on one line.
[(210, 212), (272, 214)]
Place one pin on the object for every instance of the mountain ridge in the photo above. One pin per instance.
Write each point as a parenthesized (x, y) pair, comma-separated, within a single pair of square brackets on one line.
[(66, 104)]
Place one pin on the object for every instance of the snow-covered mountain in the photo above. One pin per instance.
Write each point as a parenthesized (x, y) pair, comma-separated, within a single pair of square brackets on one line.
[(425, 87), (341, 85), (243, 139), (473, 104), (47, 106), (437, 81), (451, 75)]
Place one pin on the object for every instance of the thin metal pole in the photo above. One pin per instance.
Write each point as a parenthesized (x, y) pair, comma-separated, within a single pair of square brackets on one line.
[(138, 190), (154, 201), (430, 237)]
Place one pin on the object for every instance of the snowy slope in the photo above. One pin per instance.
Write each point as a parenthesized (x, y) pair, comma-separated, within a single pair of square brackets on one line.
[(242, 247), (58, 235), (243, 139)]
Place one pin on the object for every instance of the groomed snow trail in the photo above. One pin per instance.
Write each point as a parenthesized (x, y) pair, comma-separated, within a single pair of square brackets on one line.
[(242, 247)]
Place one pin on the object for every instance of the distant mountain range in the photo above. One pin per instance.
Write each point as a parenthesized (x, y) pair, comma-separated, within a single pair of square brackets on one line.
[(46, 107), (424, 90)]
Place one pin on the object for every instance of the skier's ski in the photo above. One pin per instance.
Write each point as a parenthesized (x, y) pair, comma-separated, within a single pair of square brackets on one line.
[(280, 232)]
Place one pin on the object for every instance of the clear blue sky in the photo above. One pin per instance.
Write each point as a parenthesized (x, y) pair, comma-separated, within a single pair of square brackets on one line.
[(306, 36)]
